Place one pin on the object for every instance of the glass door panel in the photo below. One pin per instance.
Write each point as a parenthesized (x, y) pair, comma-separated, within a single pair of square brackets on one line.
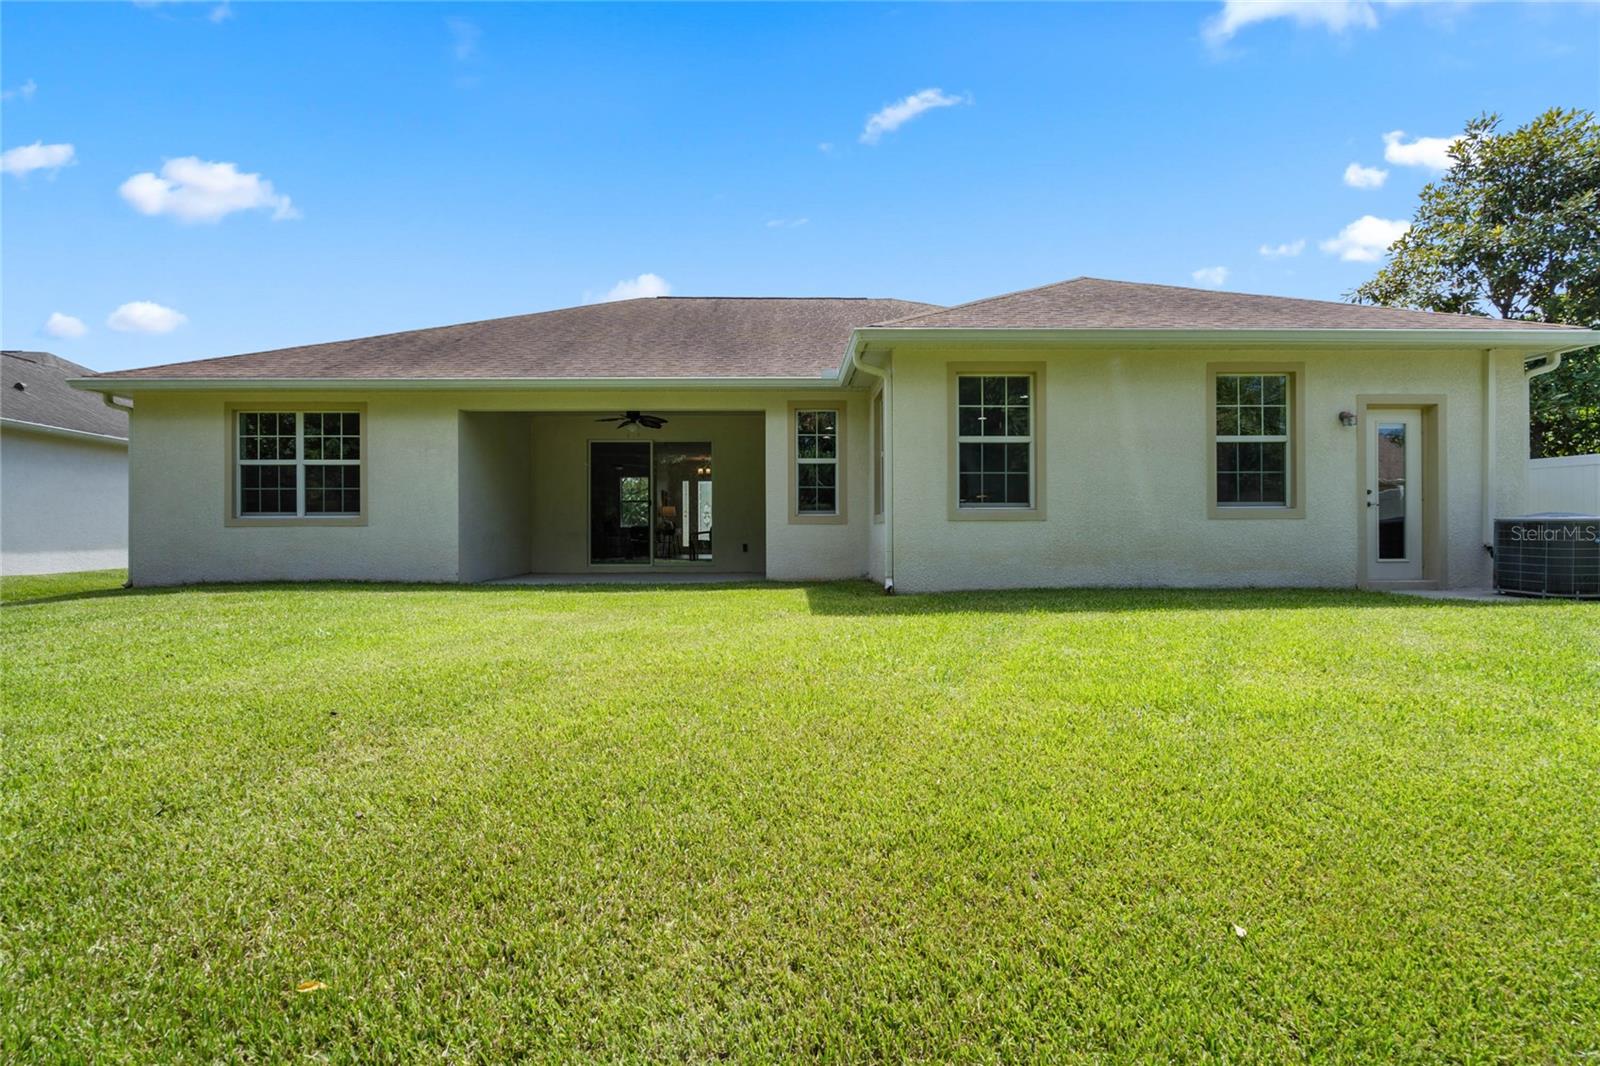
[(619, 502), (683, 509), (1391, 490)]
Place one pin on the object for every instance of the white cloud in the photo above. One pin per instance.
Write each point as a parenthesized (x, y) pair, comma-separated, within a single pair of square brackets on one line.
[(1336, 15), (786, 223), (222, 12), (1286, 250), (634, 288), (60, 325), (192, 190), (142, 316), (1366, 239), (464, 36), (1359, 177), (24, 160), (1430, 152), (892, 116), (24, 91), (1211, 277), (826, 147)]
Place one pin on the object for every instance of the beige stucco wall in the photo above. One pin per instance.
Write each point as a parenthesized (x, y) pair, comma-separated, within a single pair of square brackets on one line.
[(63, 503), (178, 481), (495, 520), (1125, 473), (414, 478)]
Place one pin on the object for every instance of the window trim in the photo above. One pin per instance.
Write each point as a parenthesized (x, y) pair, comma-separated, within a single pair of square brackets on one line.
[(954, 372), (838, 516), (1296, 507), (230, 504)]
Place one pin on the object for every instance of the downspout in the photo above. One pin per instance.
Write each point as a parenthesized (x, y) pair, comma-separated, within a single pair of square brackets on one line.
[(888, 464), (1489, 408), (1551, 362)]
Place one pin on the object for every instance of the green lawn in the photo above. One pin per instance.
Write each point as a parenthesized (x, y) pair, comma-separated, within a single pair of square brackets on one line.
[(777, 821)]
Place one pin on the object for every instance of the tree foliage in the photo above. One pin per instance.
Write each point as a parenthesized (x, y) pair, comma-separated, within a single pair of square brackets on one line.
[(1513, 229)]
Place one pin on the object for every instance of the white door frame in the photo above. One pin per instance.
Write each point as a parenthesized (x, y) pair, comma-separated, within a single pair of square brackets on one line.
[(1431, 499)]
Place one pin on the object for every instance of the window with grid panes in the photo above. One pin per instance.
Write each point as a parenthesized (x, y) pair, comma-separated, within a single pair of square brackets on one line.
[(994, 440), (817, 458), (298, 464), (1252, 440)]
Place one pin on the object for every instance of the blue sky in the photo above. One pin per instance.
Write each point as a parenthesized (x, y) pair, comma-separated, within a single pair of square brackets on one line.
[(247, 176)]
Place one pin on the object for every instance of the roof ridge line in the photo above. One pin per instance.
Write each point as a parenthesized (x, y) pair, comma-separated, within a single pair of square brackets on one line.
[(863, 299), (908, 320), (987, 299)]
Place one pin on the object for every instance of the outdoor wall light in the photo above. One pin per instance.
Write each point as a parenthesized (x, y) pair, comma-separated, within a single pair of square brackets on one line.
[(1347, 418)]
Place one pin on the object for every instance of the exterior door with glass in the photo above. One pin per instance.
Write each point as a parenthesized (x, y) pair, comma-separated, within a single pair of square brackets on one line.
[(650, 502), (1393, 495)]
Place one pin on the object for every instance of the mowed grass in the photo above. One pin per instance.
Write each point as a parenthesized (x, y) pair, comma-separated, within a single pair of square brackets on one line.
[(776, 822)]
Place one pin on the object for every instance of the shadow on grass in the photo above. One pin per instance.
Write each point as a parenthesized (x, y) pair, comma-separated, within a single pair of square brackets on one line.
[(836, 598), (865, 599)]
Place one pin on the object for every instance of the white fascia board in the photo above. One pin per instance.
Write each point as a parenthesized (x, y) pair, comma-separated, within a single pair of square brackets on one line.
[(1533, 341), (128, 385), (63, 431)]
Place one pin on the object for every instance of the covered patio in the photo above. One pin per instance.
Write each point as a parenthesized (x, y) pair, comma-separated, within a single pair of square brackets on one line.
[(594, 495)]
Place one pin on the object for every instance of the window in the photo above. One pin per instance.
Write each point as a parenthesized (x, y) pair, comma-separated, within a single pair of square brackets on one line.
[(816, 444), (1252, 440), (298, 464), (994, 440)]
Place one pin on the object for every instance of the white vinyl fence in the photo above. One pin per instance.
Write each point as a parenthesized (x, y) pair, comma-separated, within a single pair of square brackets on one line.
[(1570, 484)]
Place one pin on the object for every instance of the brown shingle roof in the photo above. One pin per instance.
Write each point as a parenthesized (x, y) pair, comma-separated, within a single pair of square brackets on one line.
[(769, 337), (46, 399), (663, 337), (1093, 303)]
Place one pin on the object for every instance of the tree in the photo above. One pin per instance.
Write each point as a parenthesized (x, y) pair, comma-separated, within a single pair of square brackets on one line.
[(1513, 228)]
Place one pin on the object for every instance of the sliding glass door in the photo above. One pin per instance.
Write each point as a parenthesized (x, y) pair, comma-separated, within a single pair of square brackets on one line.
[(619, 502), (649, 502), (683, 502)]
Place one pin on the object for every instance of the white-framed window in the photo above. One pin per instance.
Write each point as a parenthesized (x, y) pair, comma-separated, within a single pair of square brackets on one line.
[(816, 449), (994, 440), (297, 464), (1253, 440)]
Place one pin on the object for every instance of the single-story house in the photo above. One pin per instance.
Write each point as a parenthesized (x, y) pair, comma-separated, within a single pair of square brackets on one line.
[(1083, 433), (63, 470)]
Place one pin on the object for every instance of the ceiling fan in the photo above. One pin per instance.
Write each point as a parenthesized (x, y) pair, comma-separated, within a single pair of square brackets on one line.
[(629, 419)]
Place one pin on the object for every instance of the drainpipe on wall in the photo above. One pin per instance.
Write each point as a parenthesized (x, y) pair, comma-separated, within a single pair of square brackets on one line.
[(1551, 362), (1489, 405), (887, 378)]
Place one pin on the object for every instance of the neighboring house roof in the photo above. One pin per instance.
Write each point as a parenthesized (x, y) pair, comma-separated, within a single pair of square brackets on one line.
[(1094, 303), (661, 337), (36, 393)]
